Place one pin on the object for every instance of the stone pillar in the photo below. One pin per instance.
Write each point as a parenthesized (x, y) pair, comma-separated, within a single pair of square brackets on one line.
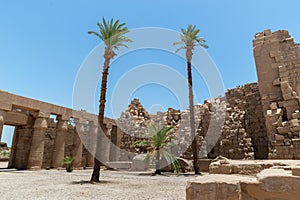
[(114, 143), (92, 143), (77, 145), (104, 142), (2, 118), (59, 144), (35, 160)]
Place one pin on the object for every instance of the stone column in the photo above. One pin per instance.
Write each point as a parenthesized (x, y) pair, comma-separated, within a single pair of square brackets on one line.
[(77, 145), (92, 143), (59, 144), (104, 142), (2, 118), (35, 160)]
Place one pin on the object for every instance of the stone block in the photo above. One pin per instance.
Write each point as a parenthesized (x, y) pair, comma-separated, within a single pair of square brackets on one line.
[(296, 171), (289, 103), (296, 115), (139, 163), (283, 130), (220, 169), (279, 137), (295, 129), (276, 82), (293, 123), (213, 188), (287, 96)]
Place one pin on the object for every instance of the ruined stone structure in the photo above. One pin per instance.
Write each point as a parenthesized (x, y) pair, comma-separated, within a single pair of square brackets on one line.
[(254, 121), (277, 60), (261, 119), (232, 126), (42, 142)]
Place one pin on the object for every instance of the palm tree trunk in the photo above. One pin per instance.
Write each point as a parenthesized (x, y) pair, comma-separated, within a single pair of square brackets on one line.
[(195, 146), (96, 172), (157, 167)]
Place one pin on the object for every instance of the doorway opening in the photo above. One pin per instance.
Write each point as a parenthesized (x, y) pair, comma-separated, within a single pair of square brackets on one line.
[(6, 145)]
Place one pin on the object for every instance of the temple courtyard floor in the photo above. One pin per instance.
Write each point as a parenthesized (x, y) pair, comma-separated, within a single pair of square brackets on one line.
[(58, 184)]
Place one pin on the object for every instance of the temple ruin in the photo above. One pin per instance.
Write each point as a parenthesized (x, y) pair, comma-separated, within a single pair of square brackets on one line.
[(255, 121)]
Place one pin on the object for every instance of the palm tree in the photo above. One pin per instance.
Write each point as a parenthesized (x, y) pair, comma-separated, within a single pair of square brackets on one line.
[(157, 145), (112, 33), (189, 39)]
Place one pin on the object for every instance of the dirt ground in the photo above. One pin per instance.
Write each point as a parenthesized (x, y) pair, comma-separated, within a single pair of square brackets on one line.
[(54, 184)]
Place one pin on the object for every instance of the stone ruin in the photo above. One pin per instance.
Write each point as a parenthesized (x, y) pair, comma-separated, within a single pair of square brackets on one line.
[(254, 121), (40, 141), (261, 119), (232, 126)]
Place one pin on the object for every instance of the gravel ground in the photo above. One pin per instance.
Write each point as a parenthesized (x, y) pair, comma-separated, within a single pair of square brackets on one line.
[(54, 184)]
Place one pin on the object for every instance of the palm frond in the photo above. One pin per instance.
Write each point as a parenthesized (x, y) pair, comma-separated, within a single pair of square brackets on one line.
[(189, 38), (112, 33), (171, 160)]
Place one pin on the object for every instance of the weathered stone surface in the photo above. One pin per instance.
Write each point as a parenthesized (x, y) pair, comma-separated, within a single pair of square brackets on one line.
[(213, 187), (269, 184)]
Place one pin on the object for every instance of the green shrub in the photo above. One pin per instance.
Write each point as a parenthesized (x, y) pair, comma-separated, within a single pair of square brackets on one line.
[(68, 163)]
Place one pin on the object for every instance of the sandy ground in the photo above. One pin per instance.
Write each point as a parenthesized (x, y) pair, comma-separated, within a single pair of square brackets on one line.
[(54, 184)]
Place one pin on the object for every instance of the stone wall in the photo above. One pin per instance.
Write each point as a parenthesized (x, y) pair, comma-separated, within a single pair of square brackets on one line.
[(277, 60), (232, 126)]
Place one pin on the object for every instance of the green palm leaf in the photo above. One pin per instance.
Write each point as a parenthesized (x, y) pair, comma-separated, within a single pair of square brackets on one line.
[(112, 33), (189, 39)]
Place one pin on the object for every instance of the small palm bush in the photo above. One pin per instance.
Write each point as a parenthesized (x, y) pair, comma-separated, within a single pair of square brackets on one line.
[(68, 163), (158, 146)]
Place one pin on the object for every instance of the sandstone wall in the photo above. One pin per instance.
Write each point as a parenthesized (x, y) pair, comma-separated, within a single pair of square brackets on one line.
[(277, 60), (232, 126)]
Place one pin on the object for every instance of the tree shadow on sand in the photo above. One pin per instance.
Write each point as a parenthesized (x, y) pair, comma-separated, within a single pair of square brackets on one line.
[(82, 182)]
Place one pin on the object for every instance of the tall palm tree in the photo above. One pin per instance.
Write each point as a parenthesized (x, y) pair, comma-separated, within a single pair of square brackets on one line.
[(188, 40), (112, 33), (157, 144)]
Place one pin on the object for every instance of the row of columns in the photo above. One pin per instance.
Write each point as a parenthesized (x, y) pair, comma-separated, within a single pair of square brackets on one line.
[(37, 147), (35, 160)]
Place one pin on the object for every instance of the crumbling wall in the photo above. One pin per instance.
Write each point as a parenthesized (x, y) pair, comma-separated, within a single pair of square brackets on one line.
[(232, 126), (277, 60)]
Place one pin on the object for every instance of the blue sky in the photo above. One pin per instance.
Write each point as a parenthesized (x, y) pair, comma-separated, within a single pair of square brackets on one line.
[(44, 43)]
